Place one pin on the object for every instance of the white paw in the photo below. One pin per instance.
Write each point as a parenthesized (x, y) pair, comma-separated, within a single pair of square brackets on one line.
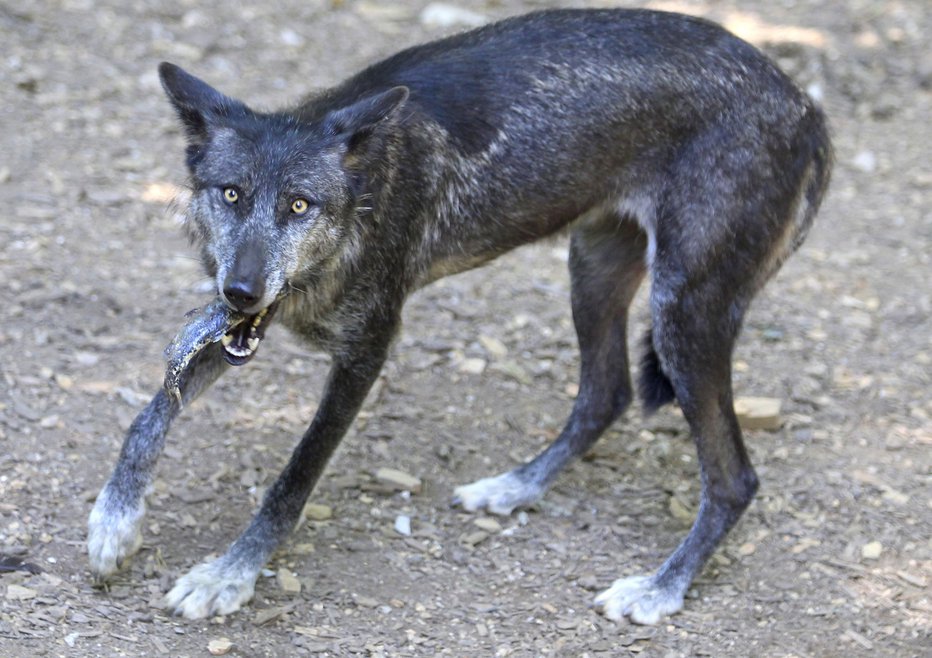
[(639, 598), (113, 533), (500, 494), (211, 589)]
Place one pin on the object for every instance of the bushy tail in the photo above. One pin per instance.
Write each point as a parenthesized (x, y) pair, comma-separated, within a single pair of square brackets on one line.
[(653, 384)]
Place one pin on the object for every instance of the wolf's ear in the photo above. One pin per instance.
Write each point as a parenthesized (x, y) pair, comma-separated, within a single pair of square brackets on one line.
[(358, 121), (195, 101)]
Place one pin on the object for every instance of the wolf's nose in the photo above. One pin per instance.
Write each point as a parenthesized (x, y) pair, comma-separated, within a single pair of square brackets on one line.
[(242, 294)]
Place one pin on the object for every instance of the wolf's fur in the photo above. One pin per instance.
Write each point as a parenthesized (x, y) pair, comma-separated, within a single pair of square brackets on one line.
[(667, 146)]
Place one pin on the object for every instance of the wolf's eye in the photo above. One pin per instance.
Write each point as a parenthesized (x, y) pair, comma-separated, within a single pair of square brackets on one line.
[(230, 195), (300, 206)]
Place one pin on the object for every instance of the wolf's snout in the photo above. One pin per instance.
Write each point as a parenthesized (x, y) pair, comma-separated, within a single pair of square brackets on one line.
[(243, 294), (244, 283)]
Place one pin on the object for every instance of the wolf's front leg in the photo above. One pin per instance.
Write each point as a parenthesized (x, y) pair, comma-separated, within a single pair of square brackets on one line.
[(223, 585), (114, 526)]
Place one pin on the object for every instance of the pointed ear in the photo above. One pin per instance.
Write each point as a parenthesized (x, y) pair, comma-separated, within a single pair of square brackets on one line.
[(357, 121), (195, 101)]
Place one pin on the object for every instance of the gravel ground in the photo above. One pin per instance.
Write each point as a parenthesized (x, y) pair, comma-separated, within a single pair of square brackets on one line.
[(833, 558)]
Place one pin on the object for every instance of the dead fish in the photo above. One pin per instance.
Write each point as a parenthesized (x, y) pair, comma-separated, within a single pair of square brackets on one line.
[(206, 325)]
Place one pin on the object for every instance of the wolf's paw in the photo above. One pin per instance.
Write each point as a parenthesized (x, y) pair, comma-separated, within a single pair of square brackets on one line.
[(213, 588), (113, 533), (500, 494), (640, 599)]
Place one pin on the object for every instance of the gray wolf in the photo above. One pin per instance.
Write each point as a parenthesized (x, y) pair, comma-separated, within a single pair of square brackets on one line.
[(666, 147)]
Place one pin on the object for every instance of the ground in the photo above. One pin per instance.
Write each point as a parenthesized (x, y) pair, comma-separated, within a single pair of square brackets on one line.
[(833, 557)]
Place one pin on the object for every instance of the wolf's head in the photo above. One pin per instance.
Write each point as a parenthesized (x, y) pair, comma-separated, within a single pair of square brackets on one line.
[(273, 197)]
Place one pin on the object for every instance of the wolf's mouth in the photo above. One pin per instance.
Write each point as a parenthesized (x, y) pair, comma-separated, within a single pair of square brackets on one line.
[(241, 342)]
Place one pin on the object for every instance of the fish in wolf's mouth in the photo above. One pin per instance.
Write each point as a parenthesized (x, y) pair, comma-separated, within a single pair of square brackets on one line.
[(238, 334)]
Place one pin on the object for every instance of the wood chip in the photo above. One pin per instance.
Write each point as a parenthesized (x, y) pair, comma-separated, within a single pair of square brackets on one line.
[(857, 638), (758, 413), (912, 579)]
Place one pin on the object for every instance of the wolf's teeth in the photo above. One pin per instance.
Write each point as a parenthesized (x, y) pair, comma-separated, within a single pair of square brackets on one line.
[(239, 351), (252, 343), (226, 340)]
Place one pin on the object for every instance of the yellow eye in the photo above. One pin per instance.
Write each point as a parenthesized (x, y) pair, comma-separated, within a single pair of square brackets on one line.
[(300, 206), (230, 195)]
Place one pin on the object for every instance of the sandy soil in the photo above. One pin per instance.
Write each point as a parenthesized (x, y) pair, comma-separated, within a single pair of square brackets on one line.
[(833, 558)]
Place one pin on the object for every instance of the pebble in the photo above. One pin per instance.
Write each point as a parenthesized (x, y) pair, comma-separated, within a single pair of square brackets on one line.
[(19, 593), (493, 346), (758, 413), (288, 581), (398, 480), (680, 511), (865, 161), (475, 538), (315, 512), (746, 549), (488, 524), (219, 647), (403, 525), (871, 550), (441, 15), (472, 366)]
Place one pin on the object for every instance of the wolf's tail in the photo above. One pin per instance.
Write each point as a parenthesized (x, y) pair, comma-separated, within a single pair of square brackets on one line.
[(654, 386)]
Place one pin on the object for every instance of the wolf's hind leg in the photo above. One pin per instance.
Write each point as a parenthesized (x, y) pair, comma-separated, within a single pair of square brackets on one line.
[(114, 526), (606, 267)]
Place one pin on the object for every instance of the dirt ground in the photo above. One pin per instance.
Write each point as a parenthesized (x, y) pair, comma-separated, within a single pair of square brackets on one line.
[(833, 558)]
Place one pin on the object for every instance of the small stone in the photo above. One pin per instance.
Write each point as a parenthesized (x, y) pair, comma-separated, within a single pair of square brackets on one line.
[(366, 601), (488, 524), (441, 15), (758, 413), (86, 358), (291, 38), (871, 550), (746, 549), (493, 346), (680, 511), (288, 581), (49, 422), (398, 480), (219, 647), (472, 366), (865, 161), (403, 525), (315, 512), (475, 538), (19, 593)]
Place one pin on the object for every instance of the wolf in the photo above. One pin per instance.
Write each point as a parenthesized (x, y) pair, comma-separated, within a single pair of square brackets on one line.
[(666, 147)]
